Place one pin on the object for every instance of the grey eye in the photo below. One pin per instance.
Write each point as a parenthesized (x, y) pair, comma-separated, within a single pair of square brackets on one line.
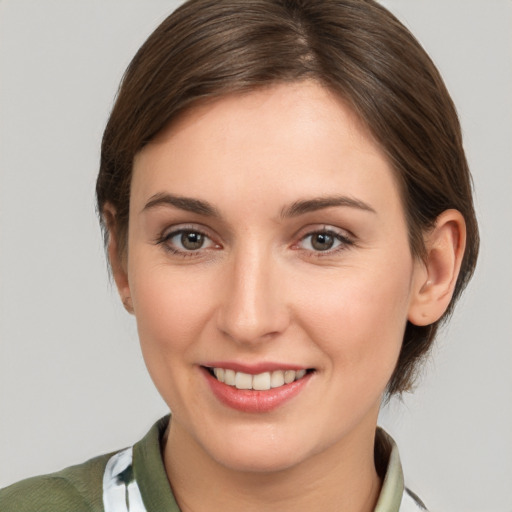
[(192, 240), (322, 241)]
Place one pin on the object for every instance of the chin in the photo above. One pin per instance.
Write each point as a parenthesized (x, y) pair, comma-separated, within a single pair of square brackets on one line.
[(265, 451), (248, 461)]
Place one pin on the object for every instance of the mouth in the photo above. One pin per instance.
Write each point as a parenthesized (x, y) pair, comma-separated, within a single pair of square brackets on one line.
[(256, 392), (257, 387), (264, 381)]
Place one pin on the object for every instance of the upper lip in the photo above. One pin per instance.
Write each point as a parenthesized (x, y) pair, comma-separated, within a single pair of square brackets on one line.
[(254, 368)]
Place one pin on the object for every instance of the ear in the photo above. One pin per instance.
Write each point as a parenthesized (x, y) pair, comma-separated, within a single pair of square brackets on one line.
[(116, 258), (436, 275)]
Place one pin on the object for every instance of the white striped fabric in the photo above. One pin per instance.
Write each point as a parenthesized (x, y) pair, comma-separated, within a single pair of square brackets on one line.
[(120, 490)]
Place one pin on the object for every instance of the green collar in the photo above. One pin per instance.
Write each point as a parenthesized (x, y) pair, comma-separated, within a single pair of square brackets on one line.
[(150, 472), (157, 495)]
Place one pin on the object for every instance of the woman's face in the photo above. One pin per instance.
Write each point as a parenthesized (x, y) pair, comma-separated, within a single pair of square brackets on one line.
[(268, 244)]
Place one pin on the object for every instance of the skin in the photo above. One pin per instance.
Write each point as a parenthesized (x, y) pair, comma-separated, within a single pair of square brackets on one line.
[(259, 291)]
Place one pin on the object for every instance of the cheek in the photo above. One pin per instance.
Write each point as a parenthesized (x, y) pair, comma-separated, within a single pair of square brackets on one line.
[(171, 308), (171, 312), (358, 320)]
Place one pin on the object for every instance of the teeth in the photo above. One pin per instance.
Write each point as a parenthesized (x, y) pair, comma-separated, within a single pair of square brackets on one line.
[(289, 376), (277, 379), (229, 377), (261, 381), (243, 381), (300, 374)]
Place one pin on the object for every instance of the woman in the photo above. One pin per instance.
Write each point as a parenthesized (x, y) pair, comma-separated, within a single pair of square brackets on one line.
[(288, 215)]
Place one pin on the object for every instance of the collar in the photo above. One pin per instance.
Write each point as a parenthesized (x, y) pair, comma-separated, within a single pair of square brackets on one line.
[(135, 478), (393, 486)]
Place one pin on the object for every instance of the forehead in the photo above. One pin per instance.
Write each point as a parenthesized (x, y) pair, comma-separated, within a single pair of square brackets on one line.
[(293, 138), (299, 104)]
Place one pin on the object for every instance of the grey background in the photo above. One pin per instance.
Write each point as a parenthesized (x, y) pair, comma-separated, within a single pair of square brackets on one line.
[(72, 380)]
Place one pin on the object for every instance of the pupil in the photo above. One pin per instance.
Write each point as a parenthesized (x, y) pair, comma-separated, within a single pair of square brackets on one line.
[(322, 241), (192, 241)]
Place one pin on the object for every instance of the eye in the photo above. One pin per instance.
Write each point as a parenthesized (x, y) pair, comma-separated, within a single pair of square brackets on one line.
[(190, 240), (321, 241), (324, 240), (183, 241)]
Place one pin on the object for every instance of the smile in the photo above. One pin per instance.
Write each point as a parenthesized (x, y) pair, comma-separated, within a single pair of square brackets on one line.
[(259, 382), (253, 392)]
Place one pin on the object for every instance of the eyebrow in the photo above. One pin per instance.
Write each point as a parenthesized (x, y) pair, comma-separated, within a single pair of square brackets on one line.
[(183, 203), (311, 205), (296, 209)]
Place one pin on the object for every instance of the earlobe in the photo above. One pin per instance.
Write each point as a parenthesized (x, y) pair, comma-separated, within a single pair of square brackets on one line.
[(436, 276), (117, 262)]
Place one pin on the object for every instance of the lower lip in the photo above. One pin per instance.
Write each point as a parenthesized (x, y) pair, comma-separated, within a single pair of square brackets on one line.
[(249, 400)]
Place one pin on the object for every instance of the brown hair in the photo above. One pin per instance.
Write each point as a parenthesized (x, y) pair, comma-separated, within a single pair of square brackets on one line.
[(356, 48)]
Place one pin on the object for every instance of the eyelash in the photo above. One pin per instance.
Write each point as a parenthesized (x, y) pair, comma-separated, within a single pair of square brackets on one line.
[(345, 242), (165, 238)]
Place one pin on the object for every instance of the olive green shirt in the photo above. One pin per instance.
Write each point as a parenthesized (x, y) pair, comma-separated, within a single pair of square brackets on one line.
[(134, 480)]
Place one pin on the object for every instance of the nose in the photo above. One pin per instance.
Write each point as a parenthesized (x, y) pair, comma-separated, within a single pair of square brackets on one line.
[(253, 307)]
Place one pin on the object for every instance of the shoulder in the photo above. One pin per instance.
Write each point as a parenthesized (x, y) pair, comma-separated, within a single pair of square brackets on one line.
[(77, 488), (42, 493)]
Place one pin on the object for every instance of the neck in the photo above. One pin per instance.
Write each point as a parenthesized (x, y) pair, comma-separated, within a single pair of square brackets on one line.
[(342, 477)]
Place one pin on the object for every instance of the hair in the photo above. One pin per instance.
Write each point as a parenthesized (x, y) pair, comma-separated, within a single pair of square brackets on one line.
[(357, 49)]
